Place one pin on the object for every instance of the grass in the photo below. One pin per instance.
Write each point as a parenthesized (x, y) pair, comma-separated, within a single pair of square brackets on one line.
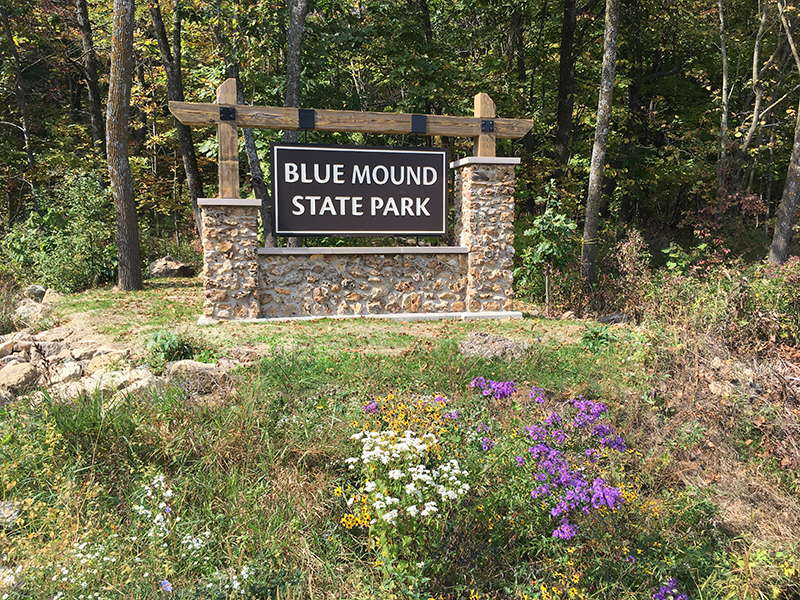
[(254, 474)]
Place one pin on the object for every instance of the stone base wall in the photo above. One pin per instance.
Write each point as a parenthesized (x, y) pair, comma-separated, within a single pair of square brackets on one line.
[(360, 284), (230, 265), (243, 282), (484, 202)]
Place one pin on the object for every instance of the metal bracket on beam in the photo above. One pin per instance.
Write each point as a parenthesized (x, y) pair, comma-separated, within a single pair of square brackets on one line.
[(227, 113), (487, 126), (306, 118), (419, 124)]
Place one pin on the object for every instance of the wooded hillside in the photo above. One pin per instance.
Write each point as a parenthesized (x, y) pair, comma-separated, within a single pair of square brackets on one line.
[(700, 137)]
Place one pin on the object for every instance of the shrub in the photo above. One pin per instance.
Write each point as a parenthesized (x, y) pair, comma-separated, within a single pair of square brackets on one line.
[(165, 346), (69, 245), (154, 247), (551, 246), (748, 308), (9, 291), (468, 495)]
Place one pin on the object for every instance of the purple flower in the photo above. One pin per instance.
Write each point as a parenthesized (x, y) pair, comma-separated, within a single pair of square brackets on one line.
[(536, 432), (520, 461), (167, 509), (591, 454), (588, 411), (453, 414), (553, 419), (503, 389), (630, 558), (482, 427), (615, 442), (565, 531), (478, 382), (165, 585), (605, 495), (542, 490), (537, 395), (602, 430), (559, 436), (440, 399), (669, 591), (486, 444), (370, 407), (496, 389)]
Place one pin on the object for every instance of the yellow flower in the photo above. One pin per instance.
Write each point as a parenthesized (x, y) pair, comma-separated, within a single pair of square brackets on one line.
[(338, 491)]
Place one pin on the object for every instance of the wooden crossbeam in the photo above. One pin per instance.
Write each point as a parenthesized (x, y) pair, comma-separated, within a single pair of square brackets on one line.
[(200, 114)]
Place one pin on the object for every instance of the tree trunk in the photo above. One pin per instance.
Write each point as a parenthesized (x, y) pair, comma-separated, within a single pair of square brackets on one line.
[(92, 79), (516, 44), (171, 59), (566, 82), (20, 95), (723, 166), (294, 44), (786, 217), (129, 276), (257, 178), (594, 194)]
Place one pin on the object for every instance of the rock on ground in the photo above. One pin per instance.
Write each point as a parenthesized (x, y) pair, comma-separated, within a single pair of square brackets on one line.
[(69, 371), (613, 318), (18, 377), (8, 578), (35, 292), (148, 383), (31, 313), (169, 267), (488, 345), (196, 377), (51, 296), (9, 514)]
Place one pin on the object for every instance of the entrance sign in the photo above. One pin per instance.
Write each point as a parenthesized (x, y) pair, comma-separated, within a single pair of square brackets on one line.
[(338, 190), (322, 190)]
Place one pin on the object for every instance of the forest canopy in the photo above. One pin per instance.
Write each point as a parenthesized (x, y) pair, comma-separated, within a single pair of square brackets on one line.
[(701, 130)]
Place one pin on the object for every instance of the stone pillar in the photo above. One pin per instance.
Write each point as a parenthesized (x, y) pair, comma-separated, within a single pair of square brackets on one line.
[(484, 202), (230, 263)]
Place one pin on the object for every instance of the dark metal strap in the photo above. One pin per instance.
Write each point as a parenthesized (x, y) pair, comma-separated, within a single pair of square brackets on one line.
[(487, 126), (419, 124), (227, 113), (306, 118)]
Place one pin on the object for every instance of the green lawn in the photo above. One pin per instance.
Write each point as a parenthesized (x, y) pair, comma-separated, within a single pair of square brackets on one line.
[(244, 494)]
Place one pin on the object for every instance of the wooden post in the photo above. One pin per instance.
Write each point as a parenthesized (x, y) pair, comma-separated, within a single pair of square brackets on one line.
[(485, 109), (228, 136)]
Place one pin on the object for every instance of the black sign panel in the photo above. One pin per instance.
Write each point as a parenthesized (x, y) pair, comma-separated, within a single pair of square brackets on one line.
[(341, 190)]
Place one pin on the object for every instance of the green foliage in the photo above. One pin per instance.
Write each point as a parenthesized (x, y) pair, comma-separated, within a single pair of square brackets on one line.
[(69, 245), (257, 485), (165, 346), (681, 261), (154, 247), (551, 234), (550, 244), (749, 308), (9, 293), (596, 338)]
